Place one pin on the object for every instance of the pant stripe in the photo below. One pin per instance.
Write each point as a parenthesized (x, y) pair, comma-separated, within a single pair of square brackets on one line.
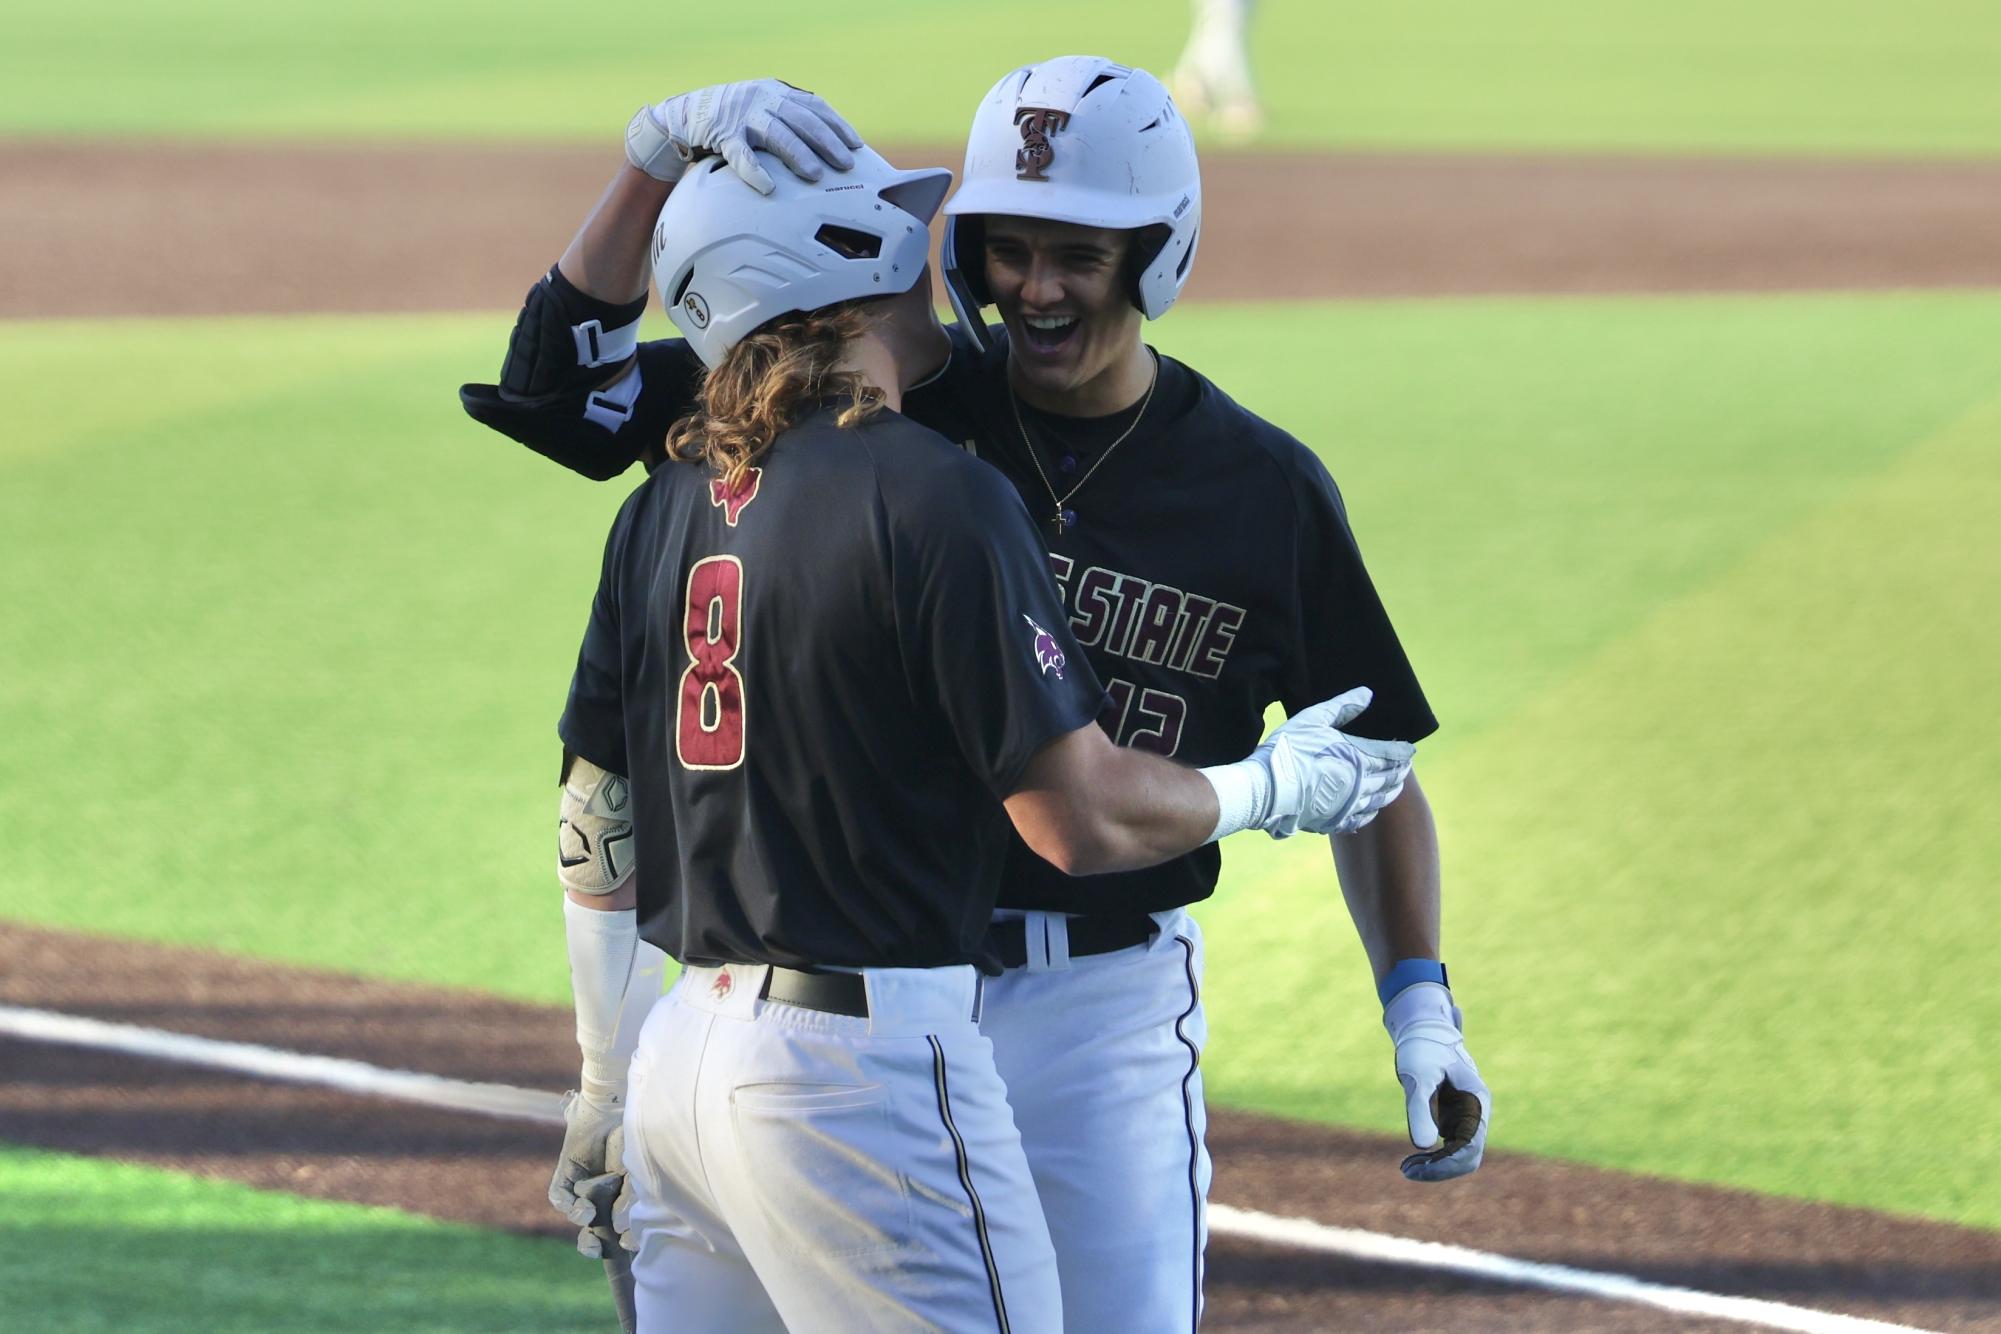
[(966, 1180), (1194, 1148)]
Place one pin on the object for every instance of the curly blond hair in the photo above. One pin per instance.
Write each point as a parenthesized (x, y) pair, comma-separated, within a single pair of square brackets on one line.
[(767, 380)]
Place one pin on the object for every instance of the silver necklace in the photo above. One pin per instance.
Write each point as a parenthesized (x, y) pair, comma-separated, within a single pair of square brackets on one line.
[(1060, 503)]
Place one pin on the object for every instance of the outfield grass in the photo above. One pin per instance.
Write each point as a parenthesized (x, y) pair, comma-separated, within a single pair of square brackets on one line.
[(1704, 592), (1814, 76), (1698, 586), (271, 640), (176, 1253)]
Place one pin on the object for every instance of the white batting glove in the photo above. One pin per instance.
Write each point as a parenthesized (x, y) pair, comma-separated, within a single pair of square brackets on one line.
[(1311, 775), (1325, 781), (1446, 1104), (731, 119), (589, 1182)]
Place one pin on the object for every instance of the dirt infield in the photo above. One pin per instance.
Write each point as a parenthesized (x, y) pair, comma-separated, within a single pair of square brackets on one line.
[(183, 229), (493, 1172)]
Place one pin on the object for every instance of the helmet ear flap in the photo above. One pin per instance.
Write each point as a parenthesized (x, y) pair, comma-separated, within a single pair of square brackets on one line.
[(964, 256), (969, 249), (1141, 252)]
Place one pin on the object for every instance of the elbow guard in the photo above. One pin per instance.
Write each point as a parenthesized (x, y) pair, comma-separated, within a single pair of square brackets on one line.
[(564, 340), (594, 850), (560, 392), (585, 439)]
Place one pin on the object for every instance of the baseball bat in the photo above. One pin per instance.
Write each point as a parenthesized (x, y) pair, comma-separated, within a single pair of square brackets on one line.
[(618, 1273)]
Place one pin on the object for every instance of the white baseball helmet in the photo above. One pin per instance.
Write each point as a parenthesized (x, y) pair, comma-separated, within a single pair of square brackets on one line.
[(1078, 139), (728, 259)]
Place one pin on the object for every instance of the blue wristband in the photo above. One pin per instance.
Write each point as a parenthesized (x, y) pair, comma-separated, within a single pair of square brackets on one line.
[(1408, 972)]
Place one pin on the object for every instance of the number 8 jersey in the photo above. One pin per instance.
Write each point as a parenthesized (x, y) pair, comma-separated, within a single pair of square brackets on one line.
[(821, 677)]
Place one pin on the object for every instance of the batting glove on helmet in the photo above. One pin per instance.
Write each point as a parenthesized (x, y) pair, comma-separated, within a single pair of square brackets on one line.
[(731, 119), (1446, 1104)]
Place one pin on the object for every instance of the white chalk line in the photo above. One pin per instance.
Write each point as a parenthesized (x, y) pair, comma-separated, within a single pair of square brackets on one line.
[(290, 1067), (1353, 1243), (519, 1104)]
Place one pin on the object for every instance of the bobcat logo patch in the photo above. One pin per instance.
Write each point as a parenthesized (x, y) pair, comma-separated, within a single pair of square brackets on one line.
[(1047, 655)]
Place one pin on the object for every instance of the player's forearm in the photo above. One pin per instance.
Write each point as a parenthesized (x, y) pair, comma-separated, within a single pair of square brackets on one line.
[(1144, 810), (608, 257), (1389, 878), (1088, 807)]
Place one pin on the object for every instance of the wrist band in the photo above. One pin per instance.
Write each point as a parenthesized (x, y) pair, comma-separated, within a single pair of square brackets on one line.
[(1409, 972), (650, 148), (1243, 796)]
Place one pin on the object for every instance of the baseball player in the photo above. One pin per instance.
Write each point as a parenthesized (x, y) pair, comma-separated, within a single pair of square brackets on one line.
[(827, 654), (1207, 568), (1078, 219), (1213, 74)]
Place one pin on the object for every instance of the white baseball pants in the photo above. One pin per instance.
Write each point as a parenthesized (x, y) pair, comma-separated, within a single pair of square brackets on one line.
[(1101, 1055), (796, 1170)]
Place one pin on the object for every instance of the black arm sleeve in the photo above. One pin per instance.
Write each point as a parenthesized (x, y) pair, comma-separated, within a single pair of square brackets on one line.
[(984, 635), (1344, 638)]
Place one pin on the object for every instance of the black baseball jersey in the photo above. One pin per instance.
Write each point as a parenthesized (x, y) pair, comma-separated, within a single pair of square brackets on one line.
[(1206, 566), (1208, 569), (821, 681)]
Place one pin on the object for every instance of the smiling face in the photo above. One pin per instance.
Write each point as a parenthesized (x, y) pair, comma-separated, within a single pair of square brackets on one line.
[(1073, 331)]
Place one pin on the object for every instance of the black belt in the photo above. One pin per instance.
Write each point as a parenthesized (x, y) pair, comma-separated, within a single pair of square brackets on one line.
[(1088, 935), (830, 993)]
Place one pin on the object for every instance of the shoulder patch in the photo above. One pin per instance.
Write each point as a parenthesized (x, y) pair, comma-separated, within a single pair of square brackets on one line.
[(1047, 655)]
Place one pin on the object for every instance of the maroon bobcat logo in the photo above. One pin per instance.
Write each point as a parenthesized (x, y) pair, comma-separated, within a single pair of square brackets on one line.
[(1036, 152), (734, 498)]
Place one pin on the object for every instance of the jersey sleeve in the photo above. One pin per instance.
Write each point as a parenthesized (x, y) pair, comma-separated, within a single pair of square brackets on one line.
[(1344, 638), (984, 636), (579, 388), (593, 722)]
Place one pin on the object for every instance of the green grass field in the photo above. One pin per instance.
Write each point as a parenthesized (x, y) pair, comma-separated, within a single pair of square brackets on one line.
[(1701, 589), (214, 1255), (1779, 76)]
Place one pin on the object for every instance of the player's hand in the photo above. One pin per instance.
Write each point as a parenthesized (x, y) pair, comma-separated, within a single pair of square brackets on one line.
[(1325, 781), (732, 119), (590, 1172), (610, 1196), (1445, 1102)]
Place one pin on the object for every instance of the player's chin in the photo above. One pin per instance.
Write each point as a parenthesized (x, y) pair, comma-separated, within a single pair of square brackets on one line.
[(1054, 370), (1046, 378)]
